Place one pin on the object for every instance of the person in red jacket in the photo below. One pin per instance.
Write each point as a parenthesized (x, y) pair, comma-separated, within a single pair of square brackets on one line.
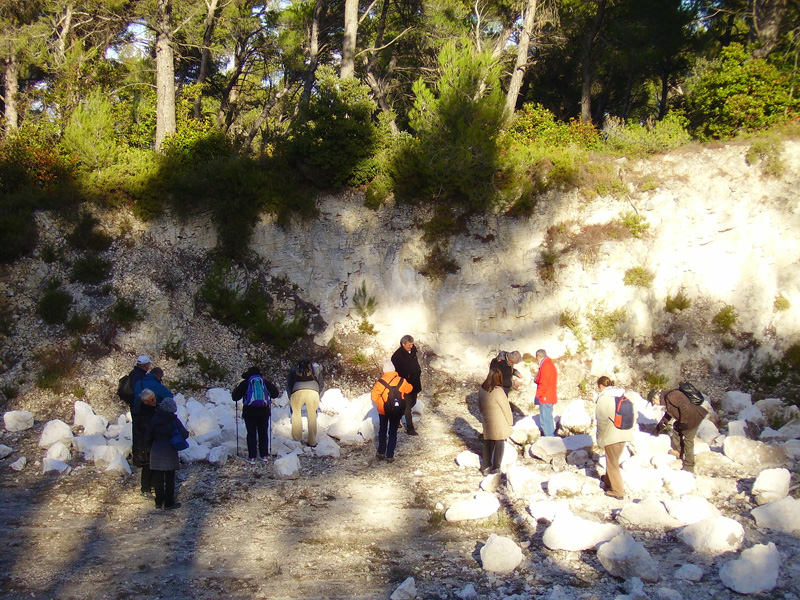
[(546, 383)]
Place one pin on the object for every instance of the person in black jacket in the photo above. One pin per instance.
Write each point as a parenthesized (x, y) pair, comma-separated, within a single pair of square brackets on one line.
[(255, 414), (164, 460), (142, 411), (407, 366), (504, 362), (138, 372)]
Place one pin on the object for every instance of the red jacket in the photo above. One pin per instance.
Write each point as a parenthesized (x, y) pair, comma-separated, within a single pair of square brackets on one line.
[(546, 382), (380, 392)]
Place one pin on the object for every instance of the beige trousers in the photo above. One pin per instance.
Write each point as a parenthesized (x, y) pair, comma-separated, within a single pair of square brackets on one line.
[(309, 398), (614, 483)]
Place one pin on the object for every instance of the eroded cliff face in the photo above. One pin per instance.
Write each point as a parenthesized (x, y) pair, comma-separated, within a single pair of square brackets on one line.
[(719, 231)]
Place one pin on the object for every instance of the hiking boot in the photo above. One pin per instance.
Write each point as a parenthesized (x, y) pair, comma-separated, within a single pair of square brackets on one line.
[(674, 453), (251, 461), (486, 470), (173, 506), (146, 494), (380, 456), (390, 459), (610, 495), (411, 431), (688, 469), (264, 459)]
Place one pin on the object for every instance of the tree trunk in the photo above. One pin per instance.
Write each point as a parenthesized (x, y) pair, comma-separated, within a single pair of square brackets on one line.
[(10, 98), (165, 74), (375, 84), (313, 54), (586, 62), (205, 53), (63, 34), (767, 18), (522, 60), (349, 39)]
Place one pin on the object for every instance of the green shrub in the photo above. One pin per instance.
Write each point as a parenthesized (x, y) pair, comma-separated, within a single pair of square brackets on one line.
[(725, 319), (54, 305), (570, 320), (768, 151), (87, 236), (10, 391), (636, 224), (17, 230), (91, 269), (90, 131), (56, 366), (438, 263), (603, 324), (792, 357), (209, 368), (364, 303), (638, 277), (656, 381), (533, 124), (677, 303), (636, 139), (79, 321), (175, 350), (51, 253), (781, 304), (378, 191), (125, 313)]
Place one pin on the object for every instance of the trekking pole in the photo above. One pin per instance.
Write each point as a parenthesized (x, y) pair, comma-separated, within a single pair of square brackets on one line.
[(236, 418), (269, 433)]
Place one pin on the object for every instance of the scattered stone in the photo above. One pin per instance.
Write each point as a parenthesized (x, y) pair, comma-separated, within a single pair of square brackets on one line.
[(625, 557), (287, 467), (665, 593), (713, 536), (547, 448), (782, 515), (566, 484), (689, 572), (468, 593), (755, 571), (491, 483), (771, 485), (500, 554), (218, 456), (547, 510), (579, 458), (792, 449), (56, 431), (679, 483), (525, 431), (523, 482), (576, 417), (59, 451), (751, 453), (691, 509), (18, 420), (569, 532), (647, 514), (641, 482), (19, 464), (5, 451), (51, 465), (326, 446), (480, 506), (117, 466), (405, 591), (735, 402), (717, 465), (468, 459), (752, 414)]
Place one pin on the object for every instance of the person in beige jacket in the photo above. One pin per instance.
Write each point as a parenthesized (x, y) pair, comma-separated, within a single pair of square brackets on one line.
[(497, 420), (610, 438)]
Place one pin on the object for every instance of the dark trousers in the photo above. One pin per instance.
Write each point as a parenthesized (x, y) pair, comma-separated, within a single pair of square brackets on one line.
[(411, 400), (256, 426), (147, 479), (164, 487), (388, 427), (683, 444), (493, 453)]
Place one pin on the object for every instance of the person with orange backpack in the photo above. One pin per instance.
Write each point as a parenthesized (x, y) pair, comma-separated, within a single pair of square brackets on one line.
[(257, 393), (616, 425), (389, 396)]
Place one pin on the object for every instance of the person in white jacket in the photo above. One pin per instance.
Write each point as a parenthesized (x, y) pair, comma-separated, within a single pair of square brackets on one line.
[(611, 438)]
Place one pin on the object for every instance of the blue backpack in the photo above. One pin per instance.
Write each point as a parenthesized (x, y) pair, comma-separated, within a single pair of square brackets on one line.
[(256, 392)]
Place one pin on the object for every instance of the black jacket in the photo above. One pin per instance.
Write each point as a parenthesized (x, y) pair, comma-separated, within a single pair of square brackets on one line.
[(241, 389), (163, 457), (407, 366), (141, 414)]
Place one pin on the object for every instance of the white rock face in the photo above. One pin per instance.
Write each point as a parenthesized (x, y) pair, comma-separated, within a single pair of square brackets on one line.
[(287, 467), (735, 402), (782, 515), (569, 532), (750, 453), (755, 571), (713, 536), (771, 485), (548, 448), (19, 464), (59, 451), (689, 572), (405, 591), (650, 513), (18, 420), (480, 506), (5, 450), (55, 431), (625, 557), (500, 554)]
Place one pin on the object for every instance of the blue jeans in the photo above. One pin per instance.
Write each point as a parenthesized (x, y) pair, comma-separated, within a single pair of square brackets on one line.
[(388, 426), (546, 419)]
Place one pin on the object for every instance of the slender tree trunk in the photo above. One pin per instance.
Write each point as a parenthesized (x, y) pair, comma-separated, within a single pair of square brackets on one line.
[(662, 104), (261, 119), (165, 74), (375, 84), (767, 18), (349, 40), (313, 54), (586, 62), (11, 91), (522, 60), (63, 34), (626, 101), (205, 54)]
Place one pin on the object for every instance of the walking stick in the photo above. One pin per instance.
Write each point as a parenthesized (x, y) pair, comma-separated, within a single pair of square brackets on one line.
[(236, 418)]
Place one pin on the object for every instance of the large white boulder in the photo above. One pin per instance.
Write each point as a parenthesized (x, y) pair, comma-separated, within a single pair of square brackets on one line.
[(755, 571), (95, 424), (85, 444), (468, 459), (524, 482), (570, 532), (566, 484), (650, 513), (327, 447), (55, 431), (500, 554), (649, 445), (548, 448), (771, 485), (195, 452), (525, 431), (581, 441), (59, 451), (678, 483), (82, 412), (118, 466), (287, 467), (547, 510), (479, 506), (577, 417), (752, 414), (51, 465), (691, 509), (626, 558), (707, 431), (218, 456), (782, 515), (18, 420), (713, 536), (735, 402), (751, 453), (405, 591)]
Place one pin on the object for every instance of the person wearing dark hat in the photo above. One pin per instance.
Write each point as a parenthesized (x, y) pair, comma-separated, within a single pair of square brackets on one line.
[(164, 460), (504, 362), (407, 366), (687, 418), (257, 392)]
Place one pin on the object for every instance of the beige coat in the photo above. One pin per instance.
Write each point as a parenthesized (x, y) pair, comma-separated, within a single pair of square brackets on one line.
[(496, 411), (606, 406)]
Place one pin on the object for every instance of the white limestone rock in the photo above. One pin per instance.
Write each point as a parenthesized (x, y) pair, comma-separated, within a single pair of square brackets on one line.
[(782, 515), (578, 442), (467, 459), (689, 572), (95, 424), (792, 449), (51, 465), (751, 453), (195, 452), (55, 431), (468, 593), (19, 464), (525, 431), (500, 554), (678, 483), (479, 506), (771, 485), (625, 557), (123, 446), (713, 536), (85, 444), (491, 483), (118, 466), (570, 532), (664, 461), (82, 412), (649, 445), (649, 514), (405, 591), (642, 482), (755, 571), (548, 510), (59, 451), (565, 484), (577, 417), (287, 467), (691, 509), (735, 402), (327, 447), (5, 451), (18, 420), (510, 455), (523, 482), (665, 593), (548, 448), (707, 431), (752, 414), (218, 456)]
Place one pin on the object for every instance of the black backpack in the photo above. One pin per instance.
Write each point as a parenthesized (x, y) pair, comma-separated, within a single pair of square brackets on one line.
[(124, 390), (623, 413), (694, 395), (304, 372), (395, 404)]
